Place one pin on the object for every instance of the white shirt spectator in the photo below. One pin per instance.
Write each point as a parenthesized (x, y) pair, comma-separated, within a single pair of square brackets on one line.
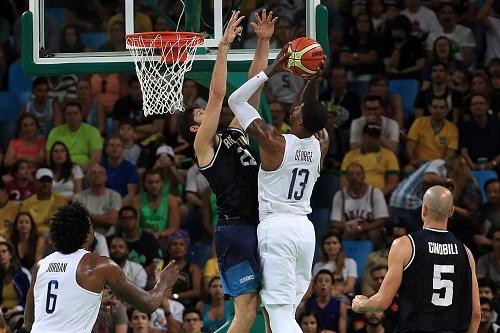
[(101, 247), (66, 188), (390, 129), (158, 319), (461, 37), (135, 273), (370, 206), (195, 181), (100, 205), (285, 87), (423, 22), (350, 268)]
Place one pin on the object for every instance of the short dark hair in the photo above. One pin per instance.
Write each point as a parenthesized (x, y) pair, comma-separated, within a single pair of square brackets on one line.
[(494, 61), (326, 272), (17, 164), (131, 310), (401, 22), (442, 98), (153, 171), (24, 116), (486, 97), (186, 120), (191, 310), (313, 116), (373, 98), (41, 80), (70, 227), (489, 182), (73, 103), (126, 121), (439, 63), (448, 4), (486, 283), (129, 209), (484, 300)]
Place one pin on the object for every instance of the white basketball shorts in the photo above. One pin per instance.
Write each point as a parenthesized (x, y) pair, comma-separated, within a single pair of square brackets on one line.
[(286, 247)]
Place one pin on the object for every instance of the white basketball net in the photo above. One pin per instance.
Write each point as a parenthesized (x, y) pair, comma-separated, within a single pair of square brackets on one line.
[(160, 65)]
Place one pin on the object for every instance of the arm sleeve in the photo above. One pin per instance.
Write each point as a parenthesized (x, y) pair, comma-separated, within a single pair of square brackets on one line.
[(336, 214), (393, 128), (379, 205), (351, 268), (238, 101)]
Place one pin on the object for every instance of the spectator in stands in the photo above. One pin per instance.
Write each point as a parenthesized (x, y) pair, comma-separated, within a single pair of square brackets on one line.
[(439, 89), (460, 81), (169, 315), (192, 322), (143, 246), (19, 182), (103, 203), (112, 317), (278, 116), (489, 17), (359, 209), (461, 36), (215, 309), (331, 312), (159, 209), (372, 113), (422, 19), (68, 177), (334, 260), (374, 323), (107, 89), (431, 137), (132, 152), (347, 103), (92, 110), (337, 147), (15, 283), (196, 184), (191, 94), (403, 55), (29, 146), (359, 54), (392, 105), (89, 16), (130, 107), (71, 40), (379, 258), (480, 84), (406, 201), (122, 174), (28, 244), (84, 141), (376, 10), (142, 22), (488, 291), (8, 210), (166, 161), (486, 325), (118, 252), (45, 109), (44, 203), (494, 72), (381, 165), (139, 321), (115, 37), (442, 51), (490, 211), (309, 323), (488, 265), (63, 88), (187, 289), (480, 137)]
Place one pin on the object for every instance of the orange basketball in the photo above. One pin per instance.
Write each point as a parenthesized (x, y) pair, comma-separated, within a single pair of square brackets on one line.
[(305, 56)]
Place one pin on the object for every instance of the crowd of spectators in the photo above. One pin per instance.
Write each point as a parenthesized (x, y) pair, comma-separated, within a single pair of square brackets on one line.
[(85, 138)]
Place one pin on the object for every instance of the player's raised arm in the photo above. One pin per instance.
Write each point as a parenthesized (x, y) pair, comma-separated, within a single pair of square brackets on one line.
[(399, 256), (203, 143)]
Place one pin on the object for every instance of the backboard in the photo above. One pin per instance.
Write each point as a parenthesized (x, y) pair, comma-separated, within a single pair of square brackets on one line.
[(45, 28)]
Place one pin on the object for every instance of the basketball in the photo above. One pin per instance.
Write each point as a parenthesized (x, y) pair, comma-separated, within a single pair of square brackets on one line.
[(305, 56)]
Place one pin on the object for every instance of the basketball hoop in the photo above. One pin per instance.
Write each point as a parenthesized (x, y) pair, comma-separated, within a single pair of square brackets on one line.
[(161, 60)]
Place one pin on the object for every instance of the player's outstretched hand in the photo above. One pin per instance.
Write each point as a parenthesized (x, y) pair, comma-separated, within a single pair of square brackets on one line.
[(264, 24), (169, 274), (319, 71), (358, 302), (280, 63), (233, 28)]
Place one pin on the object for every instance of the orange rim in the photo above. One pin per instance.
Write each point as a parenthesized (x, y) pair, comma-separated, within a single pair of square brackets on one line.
[(164, 38)]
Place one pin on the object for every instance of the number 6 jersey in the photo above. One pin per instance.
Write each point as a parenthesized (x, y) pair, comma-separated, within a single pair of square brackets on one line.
[(436, 290), (288, 189), (61, 304)]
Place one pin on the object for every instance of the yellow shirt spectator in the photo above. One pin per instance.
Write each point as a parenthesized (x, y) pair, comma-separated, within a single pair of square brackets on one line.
[(432, 145), (8, 215), (43, 210), (377, 164)]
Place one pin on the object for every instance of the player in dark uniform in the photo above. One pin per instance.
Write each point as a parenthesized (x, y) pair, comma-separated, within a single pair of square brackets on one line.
[(435, 275), (225, 160)]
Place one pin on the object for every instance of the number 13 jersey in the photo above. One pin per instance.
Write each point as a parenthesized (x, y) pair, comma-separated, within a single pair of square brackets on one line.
[(436, 291), (288, 189), (61, 304)]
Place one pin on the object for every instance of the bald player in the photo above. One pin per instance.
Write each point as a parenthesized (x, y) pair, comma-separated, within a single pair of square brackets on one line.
[(434, 273)]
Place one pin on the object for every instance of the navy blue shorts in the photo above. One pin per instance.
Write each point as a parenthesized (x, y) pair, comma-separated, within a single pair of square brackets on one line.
[(239, 264)]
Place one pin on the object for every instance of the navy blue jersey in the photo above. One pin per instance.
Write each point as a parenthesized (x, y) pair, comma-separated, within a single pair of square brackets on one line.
[(232, 175), (436, 291)]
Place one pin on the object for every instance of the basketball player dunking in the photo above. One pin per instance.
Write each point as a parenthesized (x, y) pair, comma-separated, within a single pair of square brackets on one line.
[(290, 165), (225, 160), (66, 286), (434, 273)]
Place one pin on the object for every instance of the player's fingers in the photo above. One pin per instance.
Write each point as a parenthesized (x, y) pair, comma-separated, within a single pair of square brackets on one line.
[(257, 18), (254, 25), (238, 21), (269, 16), (238, 31), (170, 264), (274, 19)]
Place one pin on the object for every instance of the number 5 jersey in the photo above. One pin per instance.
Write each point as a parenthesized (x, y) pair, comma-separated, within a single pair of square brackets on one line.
[(288, 189), (61, 304), (232, 175)]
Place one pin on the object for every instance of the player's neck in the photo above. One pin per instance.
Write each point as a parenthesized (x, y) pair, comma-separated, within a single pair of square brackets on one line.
[(437, 225)]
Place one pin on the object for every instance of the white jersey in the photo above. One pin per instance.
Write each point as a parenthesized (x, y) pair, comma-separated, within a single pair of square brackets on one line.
[(61, 304), (288, 189)]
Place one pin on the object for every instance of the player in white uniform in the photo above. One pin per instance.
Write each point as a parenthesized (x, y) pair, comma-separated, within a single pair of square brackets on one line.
[(65, 291), (290, 165)]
